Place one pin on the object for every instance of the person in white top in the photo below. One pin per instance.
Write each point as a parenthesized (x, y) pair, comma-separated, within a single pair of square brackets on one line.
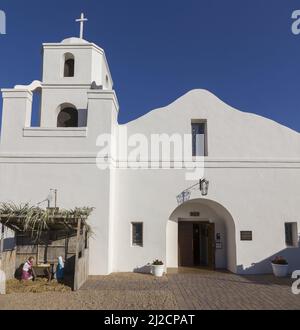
[(27, 271)]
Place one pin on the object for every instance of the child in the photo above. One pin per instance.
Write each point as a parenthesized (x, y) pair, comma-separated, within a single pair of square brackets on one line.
[(60, 269), (27, 271)]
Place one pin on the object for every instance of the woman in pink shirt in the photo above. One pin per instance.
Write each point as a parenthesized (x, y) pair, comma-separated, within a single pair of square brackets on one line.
[(27, 271)]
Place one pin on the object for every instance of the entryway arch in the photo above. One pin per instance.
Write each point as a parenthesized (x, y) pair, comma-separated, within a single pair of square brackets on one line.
[(216, 229)]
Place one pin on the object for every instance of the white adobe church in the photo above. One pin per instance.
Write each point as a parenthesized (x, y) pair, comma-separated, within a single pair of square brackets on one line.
[(249, 213)]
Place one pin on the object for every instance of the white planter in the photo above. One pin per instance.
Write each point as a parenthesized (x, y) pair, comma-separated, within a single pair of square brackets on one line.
[(158, 270), (280, 270)]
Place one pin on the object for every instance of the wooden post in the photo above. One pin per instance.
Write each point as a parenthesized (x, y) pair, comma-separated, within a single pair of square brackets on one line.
[(2, 242), (37, 253), (77, 254), (46, 247), (66, 246), (83, 238)]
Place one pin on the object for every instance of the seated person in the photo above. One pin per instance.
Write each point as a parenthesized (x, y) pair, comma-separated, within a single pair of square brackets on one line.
[(27, 270)]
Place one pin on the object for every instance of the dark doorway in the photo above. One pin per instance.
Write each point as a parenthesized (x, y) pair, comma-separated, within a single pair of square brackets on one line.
[(196, 244)]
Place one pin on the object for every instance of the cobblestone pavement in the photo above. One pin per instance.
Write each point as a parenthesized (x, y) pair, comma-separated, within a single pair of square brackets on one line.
[(186, 289), (200, 289), (217, 290)]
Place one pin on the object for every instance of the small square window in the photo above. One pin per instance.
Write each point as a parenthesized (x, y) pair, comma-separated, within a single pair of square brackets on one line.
[(291, 234), (246, 235), (137, 233)]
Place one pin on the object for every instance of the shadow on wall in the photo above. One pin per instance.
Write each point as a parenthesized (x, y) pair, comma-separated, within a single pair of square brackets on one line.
[(9, 244), (82, 117), (292, 255)]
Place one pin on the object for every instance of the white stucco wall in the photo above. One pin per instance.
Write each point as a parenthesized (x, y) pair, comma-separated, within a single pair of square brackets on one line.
[(253, 166)]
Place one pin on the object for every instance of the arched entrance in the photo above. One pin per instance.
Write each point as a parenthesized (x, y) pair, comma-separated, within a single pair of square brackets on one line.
[(201, 233)]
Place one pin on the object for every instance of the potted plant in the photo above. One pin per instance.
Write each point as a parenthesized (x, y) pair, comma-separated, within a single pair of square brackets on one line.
[(280, 267), (158, 268)]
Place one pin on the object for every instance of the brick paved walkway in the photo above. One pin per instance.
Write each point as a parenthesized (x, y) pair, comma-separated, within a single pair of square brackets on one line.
[(199, 289), (192, 289)]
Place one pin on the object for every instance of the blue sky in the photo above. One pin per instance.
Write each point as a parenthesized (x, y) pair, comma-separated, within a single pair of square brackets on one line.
[(242, 51)]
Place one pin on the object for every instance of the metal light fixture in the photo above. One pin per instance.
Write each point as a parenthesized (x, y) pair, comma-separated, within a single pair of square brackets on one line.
[(204, 184)]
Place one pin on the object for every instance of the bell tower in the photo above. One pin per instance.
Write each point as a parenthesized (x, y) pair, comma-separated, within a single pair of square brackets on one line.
[(78, 104), (77, 100), (75, 61), (70, 69)]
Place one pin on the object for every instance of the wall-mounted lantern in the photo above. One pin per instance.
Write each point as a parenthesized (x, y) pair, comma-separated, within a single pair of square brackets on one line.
[(204, 184)]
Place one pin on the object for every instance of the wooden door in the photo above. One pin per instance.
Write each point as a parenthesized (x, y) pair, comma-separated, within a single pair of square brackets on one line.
[(196, 244), (211, 245), (185, 244)]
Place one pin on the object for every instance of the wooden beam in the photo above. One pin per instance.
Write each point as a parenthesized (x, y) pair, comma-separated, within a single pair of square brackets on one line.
[(83, 236), (77, 255), (37, 254), (1, 242)]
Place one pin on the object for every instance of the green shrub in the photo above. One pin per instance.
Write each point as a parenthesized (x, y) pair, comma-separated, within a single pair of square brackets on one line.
[(157, 262), (279, 261)]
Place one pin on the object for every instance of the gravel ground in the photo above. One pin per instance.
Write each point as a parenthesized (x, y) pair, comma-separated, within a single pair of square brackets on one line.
[(40, 285)]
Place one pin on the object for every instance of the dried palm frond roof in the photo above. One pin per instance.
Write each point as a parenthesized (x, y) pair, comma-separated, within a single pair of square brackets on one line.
[(27, 218)]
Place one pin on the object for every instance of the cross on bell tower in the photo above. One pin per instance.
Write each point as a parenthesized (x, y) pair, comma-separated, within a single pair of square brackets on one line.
[(81, 20)]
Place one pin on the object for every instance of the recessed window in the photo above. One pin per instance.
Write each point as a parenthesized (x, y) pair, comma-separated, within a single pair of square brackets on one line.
[(199, 138), (67, 117), (69, 67), (291, 234), (137, 233), (246, 235)]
